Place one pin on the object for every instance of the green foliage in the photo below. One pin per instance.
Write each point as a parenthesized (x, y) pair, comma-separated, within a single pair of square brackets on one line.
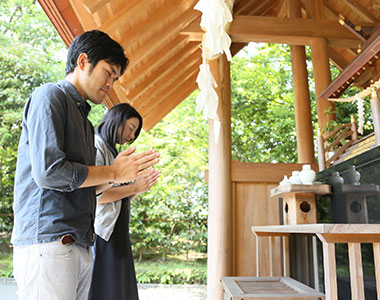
[(172, 272), (28, 42), (262, 106), (173, 215), (6, 262)]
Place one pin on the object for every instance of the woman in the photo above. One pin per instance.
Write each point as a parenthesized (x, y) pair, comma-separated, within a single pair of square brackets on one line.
[(114, 272)]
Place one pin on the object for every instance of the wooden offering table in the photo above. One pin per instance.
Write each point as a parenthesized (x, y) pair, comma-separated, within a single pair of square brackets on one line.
[(329, 234)]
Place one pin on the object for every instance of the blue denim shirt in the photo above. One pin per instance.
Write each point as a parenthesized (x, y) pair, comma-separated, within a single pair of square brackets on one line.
[(55, 148)]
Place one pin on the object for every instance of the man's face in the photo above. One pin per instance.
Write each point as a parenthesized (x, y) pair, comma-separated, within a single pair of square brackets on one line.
[(97, 82)]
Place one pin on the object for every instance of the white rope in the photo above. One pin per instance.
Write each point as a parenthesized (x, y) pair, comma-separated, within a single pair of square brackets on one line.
[(360, 104)]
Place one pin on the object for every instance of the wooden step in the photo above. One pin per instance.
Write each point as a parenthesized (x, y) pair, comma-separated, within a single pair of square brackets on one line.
[(268, 288)]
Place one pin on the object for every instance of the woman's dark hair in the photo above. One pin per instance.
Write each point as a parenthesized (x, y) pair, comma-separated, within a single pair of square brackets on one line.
[(115, 117), (98, 46)]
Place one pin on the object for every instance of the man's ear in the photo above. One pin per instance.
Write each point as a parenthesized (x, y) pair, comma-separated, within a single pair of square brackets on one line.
[(82, 60)]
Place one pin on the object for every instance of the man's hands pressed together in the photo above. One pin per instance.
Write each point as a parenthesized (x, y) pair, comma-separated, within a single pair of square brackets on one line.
[(128, 166)]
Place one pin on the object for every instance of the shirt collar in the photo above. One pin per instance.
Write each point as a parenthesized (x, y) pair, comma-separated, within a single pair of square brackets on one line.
[(73, 92)]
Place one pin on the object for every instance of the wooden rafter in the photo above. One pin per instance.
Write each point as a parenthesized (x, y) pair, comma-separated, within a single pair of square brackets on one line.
[(171, 102), (361, 11), (161, 71), (367, 57), (156, 57), (152, 34), (162, 91), (281, 30), (158, 41), (166, 83), (63, 19)]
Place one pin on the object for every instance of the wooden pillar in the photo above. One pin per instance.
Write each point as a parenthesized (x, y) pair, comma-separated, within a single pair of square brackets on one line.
[(322, 77), (375, 108), (321, 67), (302, 106), (219, 262)]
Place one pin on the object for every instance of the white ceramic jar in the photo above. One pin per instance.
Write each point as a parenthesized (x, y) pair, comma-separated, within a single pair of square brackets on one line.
[(295, 178), (307, 175), (285, 181)]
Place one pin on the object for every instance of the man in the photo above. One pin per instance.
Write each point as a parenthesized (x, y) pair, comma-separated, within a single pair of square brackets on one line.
[(56, 178)]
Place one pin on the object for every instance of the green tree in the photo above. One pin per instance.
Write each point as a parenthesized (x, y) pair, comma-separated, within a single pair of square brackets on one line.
[(29, 57), (263, 124), (173, 215)]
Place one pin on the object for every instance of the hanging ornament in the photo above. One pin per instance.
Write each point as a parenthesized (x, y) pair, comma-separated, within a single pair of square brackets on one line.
[(207, 99), (215, 20), (360, 105)]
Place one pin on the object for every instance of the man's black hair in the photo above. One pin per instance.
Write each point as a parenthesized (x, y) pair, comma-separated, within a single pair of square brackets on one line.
[(98, 46), (115, 117)]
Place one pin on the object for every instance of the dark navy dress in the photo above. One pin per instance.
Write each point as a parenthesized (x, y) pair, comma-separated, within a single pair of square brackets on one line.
[(114, 276)]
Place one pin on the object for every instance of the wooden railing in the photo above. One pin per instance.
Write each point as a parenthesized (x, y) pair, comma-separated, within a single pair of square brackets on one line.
[(330, 234), (333, 144)]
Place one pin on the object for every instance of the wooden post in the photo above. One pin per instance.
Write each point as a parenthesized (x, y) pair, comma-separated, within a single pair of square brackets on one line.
[(329, 267), (304, 127), (356, 271), (321, 67), (376, 257), (219, 262), (321, 151), (322, 77), (375, 108)]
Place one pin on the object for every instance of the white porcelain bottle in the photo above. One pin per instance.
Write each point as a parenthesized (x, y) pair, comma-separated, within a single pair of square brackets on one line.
[(295, 178), (307, 175)]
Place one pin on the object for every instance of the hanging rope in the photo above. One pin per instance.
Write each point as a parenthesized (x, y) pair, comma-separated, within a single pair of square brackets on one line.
[(207, 99), (360, 105), (216, 17)]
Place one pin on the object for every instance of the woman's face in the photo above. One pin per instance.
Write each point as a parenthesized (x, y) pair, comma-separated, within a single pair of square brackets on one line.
[(131, 125)]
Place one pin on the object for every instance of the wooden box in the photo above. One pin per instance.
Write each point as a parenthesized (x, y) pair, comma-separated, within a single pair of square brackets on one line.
[(268, 288), (299, 202)]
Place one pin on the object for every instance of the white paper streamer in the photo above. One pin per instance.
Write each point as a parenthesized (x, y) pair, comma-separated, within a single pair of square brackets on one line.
[(215, 17), (207, 99), (360, 104)]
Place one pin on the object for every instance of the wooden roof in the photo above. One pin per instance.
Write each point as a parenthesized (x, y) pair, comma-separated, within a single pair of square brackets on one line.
[(162, 38)]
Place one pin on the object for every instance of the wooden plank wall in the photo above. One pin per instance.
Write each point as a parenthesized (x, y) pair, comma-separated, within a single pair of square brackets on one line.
[(253, 206)]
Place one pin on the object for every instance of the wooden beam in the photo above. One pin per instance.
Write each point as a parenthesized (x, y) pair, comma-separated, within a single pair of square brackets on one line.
[(159, 100), (236, 47), (314, 9), (361, 11), (337, 87), (176, 97), (153, 100), (295, 31), (94, 5), (85, 18), (156, 41), (337, 59), (156, 58), (148, 27), (124, 16), (162, 70), (263, 172), (63, 19)]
